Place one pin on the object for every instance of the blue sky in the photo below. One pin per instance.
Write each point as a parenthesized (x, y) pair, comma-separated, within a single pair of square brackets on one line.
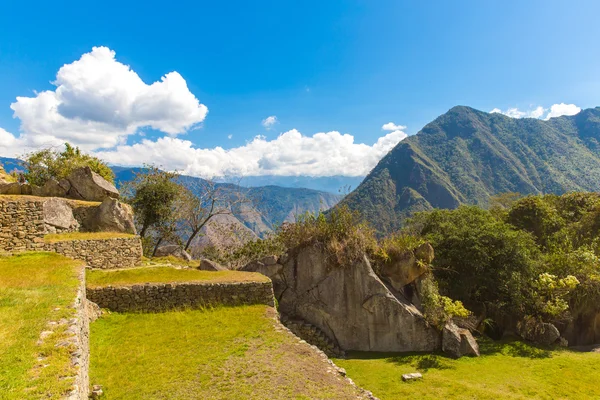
[(318, 66)]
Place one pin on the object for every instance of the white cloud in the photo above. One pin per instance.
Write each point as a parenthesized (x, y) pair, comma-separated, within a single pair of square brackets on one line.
[(99, 101), (390, 126), (269, 122), (555, 110), (229, 136), (323, 154)]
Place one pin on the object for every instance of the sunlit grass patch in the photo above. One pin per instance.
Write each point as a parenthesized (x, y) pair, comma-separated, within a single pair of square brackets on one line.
[(132, 276), (221, 353), (505, 370), (35, 288)]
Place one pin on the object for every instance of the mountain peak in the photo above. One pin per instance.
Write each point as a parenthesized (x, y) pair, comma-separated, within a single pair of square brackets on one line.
[(465, 156)]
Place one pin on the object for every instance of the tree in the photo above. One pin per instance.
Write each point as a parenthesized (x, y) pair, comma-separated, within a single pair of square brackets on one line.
[(153, 196), (480, 260), (47, 164)]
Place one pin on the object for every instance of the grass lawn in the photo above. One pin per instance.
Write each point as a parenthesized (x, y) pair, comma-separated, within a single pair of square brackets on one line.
[(509, 370), (132, 276), (24, 197), (221, 353), (62, 237), (35, 288)]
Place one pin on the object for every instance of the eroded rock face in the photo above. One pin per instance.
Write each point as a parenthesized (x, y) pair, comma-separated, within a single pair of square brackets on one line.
[(350, 303), (268, 266), (58, 216), (173, 250), (88, 185), (111, 216)]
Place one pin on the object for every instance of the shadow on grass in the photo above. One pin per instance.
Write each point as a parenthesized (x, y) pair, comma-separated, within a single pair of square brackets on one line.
[(514, 348), (439, 361)]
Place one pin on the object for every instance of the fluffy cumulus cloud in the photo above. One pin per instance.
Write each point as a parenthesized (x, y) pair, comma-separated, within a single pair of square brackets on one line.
[(269, 122), (98, 102), (555, 110), (291, 153), (390, 126)]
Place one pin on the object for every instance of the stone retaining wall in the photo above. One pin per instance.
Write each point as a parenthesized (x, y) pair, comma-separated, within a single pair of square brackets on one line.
[(22, 225), (162, 297), (101, 253), (80, 338)]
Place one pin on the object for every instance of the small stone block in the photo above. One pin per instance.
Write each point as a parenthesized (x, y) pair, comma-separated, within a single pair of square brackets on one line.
[(412, 376)]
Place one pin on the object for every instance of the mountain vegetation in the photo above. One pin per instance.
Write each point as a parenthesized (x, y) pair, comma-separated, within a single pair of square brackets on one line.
[(467, 156)]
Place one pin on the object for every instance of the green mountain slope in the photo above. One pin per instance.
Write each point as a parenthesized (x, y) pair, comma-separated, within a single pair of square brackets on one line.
[(466, 156)]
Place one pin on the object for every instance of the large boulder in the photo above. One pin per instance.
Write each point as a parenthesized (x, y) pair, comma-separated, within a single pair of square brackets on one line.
[(349, 303), (458, 342), (584, 328), (111, 216), (173, 250), (208, 265), (88, 185), (52, 188), (538, 332), (58, 216)]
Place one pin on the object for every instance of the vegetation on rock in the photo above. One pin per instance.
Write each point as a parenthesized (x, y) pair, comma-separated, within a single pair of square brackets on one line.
[(47, 164)]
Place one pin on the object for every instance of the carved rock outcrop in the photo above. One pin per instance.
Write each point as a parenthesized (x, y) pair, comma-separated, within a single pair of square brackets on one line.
[(350, 304)]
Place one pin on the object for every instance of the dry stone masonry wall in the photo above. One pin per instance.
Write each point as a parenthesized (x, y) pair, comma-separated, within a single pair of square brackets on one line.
[(162, 297), (22, 225), (101, 253)]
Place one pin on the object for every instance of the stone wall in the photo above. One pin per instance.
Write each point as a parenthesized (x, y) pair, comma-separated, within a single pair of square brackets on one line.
[(101, 253), (160, 297), (79, 330), (22, 225)]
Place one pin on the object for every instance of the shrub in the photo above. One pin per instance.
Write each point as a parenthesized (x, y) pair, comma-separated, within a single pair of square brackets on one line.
[(439, 309), (46, 164), (341, 233)]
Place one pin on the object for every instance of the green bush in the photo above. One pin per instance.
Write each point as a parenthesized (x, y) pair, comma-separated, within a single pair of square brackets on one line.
[(47, 164)]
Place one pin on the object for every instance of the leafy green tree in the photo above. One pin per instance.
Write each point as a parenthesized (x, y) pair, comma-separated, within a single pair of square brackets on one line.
[(153, 195), (480, 260), (534, 214), (48, 164)]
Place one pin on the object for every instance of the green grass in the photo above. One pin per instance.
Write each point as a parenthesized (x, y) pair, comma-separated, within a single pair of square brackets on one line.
[(132, 276), (508, 370), (35, 288), (222, 353), (62, 237), (169, 260)]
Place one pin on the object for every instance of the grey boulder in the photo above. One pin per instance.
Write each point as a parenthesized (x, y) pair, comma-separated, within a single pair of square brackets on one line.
[(173, 250), (111, 216), (538, 332), (88, 185), (52, 188), (458, 342), (58, 216), (10, 188), (208, 265)]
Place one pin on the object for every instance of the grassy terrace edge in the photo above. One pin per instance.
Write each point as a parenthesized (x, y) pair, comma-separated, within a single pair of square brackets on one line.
[(36, 288), (69, 236), (142, 275), (27, 197)]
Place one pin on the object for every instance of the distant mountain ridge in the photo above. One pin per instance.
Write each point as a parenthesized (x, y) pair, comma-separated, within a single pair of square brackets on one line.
[(466, 155)]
